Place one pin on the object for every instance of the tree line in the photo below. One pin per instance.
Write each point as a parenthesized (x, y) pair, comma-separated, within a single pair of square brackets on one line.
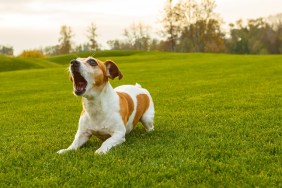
[(194, 26), (65, 45), (187, 26)]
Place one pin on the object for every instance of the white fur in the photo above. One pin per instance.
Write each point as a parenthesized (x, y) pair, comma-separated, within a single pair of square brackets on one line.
[(102, 113)]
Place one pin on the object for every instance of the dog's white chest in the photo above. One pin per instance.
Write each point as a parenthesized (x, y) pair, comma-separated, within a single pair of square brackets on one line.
[(102, 124)]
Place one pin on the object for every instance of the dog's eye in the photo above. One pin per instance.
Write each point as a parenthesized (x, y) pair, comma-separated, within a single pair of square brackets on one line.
[(92, 62)]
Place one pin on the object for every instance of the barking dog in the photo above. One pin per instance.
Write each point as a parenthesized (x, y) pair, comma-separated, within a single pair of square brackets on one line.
[(107, 113)]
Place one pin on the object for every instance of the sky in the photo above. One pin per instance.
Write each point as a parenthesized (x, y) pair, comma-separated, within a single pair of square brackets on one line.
[(31, 24)]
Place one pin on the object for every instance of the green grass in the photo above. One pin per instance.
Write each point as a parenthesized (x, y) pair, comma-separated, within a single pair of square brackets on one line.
[(17, 63), (218, 124)]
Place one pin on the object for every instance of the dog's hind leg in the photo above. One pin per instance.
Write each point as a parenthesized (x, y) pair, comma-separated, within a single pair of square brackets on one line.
[(148, 118)]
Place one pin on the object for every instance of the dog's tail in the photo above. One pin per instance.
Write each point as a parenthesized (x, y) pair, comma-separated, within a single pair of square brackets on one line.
[(138, 85)]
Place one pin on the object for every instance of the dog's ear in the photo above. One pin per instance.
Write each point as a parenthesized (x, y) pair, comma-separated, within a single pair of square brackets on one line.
[(112, 70)]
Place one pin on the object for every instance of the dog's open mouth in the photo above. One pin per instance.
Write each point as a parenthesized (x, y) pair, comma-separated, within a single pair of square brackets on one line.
[(79, 83)]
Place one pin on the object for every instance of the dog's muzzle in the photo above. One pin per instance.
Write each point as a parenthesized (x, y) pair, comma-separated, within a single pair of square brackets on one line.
[(79, 83)]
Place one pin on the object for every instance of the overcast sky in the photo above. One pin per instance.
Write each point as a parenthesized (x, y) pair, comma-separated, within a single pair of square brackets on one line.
[(29, 24)]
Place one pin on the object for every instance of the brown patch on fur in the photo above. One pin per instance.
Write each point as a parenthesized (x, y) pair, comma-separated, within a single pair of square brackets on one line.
[(126, 106), (143, 102), (100, 79), (103, 69)]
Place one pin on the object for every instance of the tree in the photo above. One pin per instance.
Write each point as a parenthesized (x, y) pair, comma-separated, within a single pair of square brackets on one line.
[(256, 32), (66, 35), (115, 44), (258, 36), (6, 50), (192, 27), (238, 41), (137, 36), (202, 32), (274, 34), (83, 48), (92, 29), (172, 24), (51, 50)]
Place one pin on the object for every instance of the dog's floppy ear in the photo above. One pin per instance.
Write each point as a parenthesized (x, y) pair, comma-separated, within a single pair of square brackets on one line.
[(112, 70)]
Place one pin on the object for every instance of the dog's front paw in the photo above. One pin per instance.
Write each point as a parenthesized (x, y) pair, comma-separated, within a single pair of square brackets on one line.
[(101, 151), (150, 129), (62, 151)]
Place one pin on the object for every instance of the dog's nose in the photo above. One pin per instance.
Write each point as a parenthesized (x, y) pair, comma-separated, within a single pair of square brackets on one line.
[(74, 62)]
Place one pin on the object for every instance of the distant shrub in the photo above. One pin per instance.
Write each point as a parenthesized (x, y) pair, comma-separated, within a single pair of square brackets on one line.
[(6, 50), (32, 54)]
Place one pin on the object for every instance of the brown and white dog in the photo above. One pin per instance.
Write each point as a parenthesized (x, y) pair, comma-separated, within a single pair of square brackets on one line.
[(107, 113)]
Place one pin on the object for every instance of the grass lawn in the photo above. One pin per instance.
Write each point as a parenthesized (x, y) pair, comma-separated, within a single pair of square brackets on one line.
[(218, 123)]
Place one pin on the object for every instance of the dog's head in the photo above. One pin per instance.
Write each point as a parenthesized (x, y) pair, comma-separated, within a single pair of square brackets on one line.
[(90, 74)]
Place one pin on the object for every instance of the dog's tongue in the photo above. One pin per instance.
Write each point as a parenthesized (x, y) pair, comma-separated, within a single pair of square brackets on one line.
[(80, 86)]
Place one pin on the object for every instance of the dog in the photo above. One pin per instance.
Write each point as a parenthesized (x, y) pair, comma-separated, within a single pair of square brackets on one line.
[(107, 113)]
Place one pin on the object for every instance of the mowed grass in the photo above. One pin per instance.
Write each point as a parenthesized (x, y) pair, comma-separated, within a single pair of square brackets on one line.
[(218, 124)]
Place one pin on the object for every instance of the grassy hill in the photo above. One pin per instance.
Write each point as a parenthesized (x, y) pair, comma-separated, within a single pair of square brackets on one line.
[(18, 63), (218, 123), (65, 59)]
